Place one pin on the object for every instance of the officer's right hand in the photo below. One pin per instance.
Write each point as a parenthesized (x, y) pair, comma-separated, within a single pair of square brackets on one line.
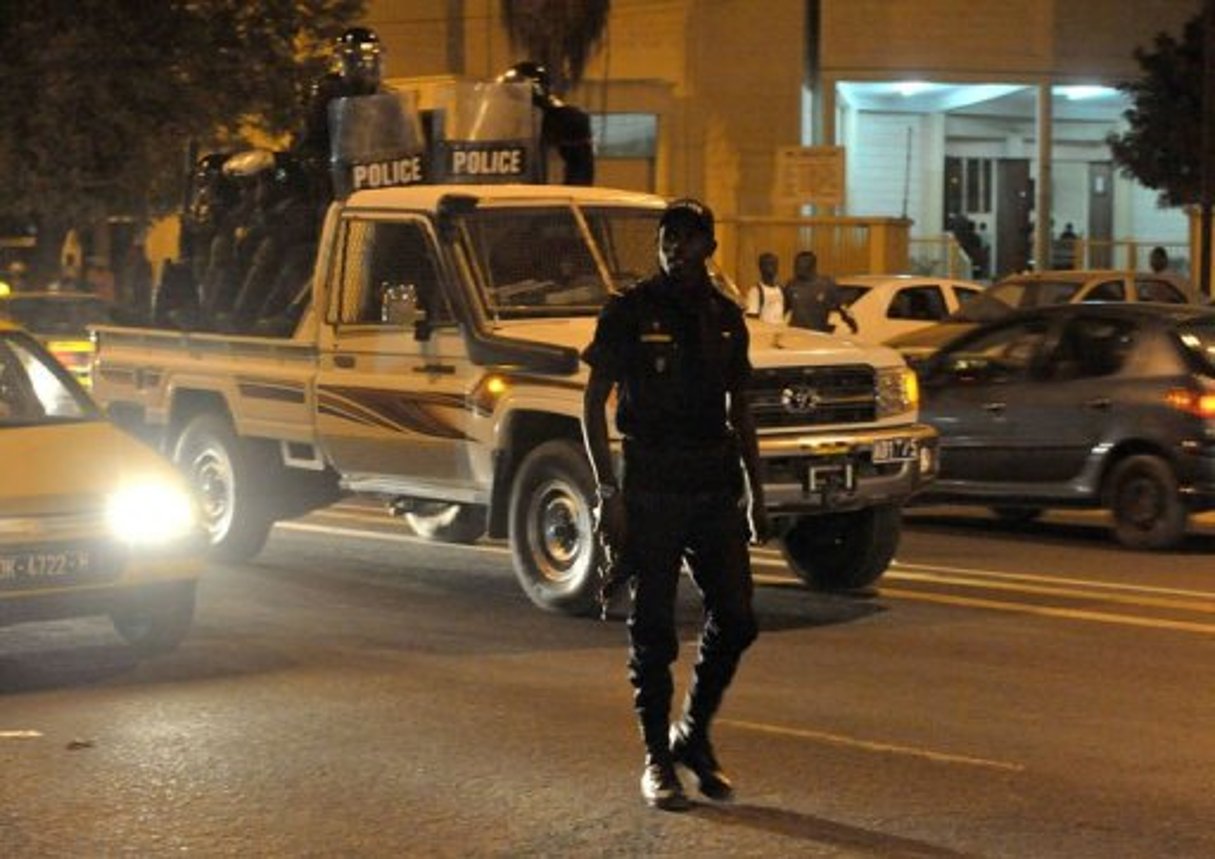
[(613, 522)]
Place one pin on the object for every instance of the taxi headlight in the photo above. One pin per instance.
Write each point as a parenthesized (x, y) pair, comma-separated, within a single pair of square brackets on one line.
[(898, 391), (150, 514)]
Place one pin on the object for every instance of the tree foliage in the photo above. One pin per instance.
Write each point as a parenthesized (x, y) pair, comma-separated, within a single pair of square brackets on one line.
[(560, 34), (100, 98), (1162, 146)]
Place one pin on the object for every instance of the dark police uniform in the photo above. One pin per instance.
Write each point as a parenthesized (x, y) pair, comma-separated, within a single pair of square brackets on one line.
[(675, 357)]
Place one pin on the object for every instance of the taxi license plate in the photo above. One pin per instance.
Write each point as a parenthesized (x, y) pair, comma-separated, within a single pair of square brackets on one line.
[(35, 569), (895, 450)]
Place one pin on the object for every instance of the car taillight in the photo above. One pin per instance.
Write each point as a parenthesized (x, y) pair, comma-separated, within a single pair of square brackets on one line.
[(71, 358), (1200, 403)]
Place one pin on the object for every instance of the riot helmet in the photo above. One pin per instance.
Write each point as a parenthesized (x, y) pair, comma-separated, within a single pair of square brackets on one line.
[(532, 73), (357, 59)]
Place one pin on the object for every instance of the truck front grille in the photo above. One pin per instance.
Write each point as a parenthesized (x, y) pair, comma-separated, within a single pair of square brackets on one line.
[(813, 396)]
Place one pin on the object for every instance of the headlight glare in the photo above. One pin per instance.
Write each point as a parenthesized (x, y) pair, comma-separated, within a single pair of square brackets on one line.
[(150, 514)]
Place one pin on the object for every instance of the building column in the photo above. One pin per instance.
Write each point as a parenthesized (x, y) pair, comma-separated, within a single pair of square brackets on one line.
[(1042, 186)]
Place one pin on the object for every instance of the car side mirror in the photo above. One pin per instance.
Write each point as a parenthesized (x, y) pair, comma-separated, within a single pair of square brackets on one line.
[(400, 305)]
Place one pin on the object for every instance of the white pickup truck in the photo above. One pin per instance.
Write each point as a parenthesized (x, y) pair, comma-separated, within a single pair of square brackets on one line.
[(437, 367)]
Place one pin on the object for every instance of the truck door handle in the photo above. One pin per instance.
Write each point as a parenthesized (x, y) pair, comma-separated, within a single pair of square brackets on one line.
[(438, 369), (346, 362), (994, 408), (1099, 403)]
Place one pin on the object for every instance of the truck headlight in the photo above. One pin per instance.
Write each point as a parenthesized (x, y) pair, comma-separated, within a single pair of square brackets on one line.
[(150, 514), (898, 391)]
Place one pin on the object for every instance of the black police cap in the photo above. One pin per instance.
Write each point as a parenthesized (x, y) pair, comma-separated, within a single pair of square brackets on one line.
[(690, 211)]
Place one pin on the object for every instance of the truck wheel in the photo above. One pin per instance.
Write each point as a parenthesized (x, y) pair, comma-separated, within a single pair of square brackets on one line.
[(224, 475), (843, 551), (154, 619), (448, 523), (552, 528), (1147, 507)]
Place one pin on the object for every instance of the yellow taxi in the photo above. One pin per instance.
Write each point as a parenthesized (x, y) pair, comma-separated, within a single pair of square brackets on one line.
[(60, 321), (92, 521)]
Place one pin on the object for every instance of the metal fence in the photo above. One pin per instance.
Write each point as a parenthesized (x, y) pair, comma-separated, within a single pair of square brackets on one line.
[(842, 245), (1121, 254)]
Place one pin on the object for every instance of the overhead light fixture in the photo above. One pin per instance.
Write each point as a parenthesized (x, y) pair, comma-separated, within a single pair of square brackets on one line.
[(1080, 93), (909, 88)]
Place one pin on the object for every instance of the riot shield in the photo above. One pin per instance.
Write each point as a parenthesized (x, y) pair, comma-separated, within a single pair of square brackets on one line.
[(375, 142), (487, 133)]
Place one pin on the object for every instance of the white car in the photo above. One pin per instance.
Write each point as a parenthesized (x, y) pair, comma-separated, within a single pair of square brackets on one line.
[(887, 305)]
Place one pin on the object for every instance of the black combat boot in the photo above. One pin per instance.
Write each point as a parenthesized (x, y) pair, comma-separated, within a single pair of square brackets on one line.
[(692, 749), (660, 786)]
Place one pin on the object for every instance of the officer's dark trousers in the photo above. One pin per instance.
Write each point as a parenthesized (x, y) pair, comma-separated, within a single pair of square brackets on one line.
[(710, 531)]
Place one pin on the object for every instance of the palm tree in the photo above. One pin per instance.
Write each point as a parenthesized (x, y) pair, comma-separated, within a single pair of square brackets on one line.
[(559, 34)]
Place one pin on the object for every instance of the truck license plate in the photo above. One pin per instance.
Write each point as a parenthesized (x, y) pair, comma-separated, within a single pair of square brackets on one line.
[(819, 478), (895, 450)]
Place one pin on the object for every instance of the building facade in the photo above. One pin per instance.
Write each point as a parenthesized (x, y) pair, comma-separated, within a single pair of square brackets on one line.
[(953, 114)]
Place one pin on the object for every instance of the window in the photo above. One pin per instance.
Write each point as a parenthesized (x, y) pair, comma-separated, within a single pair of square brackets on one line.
[(35, 389), (1091, 347), (536, 261), (625, 135), (1111, 290), (964, 294), (1147, 289), (999, 355), (375, 256), (918, 302)]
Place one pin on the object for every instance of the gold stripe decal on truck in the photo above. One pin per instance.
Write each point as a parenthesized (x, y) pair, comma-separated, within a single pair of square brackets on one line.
[(395, 411), (265, 389)]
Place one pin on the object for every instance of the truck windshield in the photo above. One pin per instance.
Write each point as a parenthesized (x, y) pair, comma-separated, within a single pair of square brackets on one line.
[(538, 261)]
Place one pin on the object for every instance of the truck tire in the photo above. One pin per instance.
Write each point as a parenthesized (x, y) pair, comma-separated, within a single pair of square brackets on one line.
[(552, 532), (843, 551), (227, 479), (447, 523), (1147, 507), (154, 619)]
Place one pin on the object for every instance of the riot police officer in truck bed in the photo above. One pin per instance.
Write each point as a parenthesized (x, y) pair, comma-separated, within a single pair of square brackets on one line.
[(357, 69), (676, 350)]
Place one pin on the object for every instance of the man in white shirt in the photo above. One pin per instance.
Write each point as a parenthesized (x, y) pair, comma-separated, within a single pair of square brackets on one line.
[(766, 300)]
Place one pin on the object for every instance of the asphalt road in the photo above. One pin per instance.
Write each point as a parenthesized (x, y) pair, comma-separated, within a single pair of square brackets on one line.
[(1029, 692)]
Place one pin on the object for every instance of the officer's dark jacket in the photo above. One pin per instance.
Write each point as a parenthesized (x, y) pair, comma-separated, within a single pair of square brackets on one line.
[(674, 354)]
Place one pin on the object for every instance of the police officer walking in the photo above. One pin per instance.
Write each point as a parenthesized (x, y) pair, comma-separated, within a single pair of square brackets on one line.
[(676, 349)]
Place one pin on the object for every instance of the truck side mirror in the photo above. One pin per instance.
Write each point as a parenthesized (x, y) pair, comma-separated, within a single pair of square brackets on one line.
[(400, 305)]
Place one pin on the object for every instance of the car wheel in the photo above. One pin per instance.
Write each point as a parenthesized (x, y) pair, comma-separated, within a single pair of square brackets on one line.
[(552, 532), (448, 523), (1147, 508), (154, 619), (1017, 515), (843, 551), (227, 480)]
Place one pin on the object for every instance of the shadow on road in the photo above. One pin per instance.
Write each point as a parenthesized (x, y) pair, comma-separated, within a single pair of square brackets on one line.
[(35, 668), (827, 833)]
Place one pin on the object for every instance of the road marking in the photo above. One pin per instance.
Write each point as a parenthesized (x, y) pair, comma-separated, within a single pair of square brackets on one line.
[(1091, 593), (902, 571), (20, 735), (873, 746), (1053, 580), (1049, 611)]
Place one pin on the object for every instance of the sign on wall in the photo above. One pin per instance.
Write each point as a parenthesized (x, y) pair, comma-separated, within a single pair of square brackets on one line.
[(810, 175)]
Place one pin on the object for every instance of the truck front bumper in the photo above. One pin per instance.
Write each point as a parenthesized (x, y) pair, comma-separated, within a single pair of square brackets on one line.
[(839, 472)]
